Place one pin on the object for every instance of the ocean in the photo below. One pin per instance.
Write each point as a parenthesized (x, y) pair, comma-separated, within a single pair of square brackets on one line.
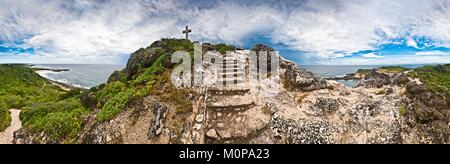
[(90, 75), (327, 71), (80, 75)]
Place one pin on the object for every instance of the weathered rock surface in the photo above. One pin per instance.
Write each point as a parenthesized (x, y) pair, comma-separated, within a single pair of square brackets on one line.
[(375, 79), (296, 78), (141, 122)]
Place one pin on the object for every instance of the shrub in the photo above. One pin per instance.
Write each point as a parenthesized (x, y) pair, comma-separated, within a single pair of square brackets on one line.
[(114, 106), (111, 89), (70, 94), (59, 125), (402, 110), (223, 48), (60, 120), (381, 92), (150, 73), (5, 118), (437, 77)]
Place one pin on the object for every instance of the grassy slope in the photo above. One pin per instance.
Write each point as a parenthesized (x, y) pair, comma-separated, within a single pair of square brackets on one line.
[(393, 69), (437, 77), (45, 107)]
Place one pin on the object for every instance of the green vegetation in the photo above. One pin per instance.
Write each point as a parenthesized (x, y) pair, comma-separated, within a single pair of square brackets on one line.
[(436, 77), (57, 113), (114, 106), (155, 80), (60, 120), (393, 69), (149, 74), (364, 72), (381, 92), (402, 110), (301, 98), (45, 107), (5, 118), (223, 48)]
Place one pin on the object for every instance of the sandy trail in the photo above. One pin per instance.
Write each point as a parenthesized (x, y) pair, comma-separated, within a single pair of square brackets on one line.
[(6, 137)]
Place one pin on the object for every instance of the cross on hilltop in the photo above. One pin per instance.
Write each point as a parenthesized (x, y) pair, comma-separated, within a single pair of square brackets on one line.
[(187, 31)]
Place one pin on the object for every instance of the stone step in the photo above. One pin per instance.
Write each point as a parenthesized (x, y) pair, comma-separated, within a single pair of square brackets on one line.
[(228, 70), (227, 65), (230, 101), (230, 106), (235, 126), (228, 91), (229, 58), (238, 73), (231, 77), (226, 62), (230, 82)]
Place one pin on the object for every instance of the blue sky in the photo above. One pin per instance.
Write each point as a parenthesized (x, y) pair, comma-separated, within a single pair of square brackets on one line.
[(332, 32)]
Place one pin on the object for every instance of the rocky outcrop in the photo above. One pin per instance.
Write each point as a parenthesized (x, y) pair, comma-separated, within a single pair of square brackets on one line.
[(141, 122), (26, 136), (115, 76), (324, 106), (140, 59), (296, 78), (426, 114), (156, 125), (375, 79)]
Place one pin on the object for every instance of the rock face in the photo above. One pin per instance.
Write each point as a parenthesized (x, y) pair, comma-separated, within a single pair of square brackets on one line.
[(296, 78), (142, 58), (324, 106), (141, 122), (375, 79), (156, 124), (427, 114)]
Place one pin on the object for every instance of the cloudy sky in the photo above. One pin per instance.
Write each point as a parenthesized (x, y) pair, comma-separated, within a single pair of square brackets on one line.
[(309, 32)]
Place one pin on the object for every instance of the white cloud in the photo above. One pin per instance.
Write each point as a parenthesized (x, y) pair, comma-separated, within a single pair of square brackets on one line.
[(371, 55), (393, 60), (103, 31), (354, 25), (433, 53)]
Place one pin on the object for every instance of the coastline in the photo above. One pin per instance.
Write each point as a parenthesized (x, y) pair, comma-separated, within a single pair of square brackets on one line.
[(63, 86)]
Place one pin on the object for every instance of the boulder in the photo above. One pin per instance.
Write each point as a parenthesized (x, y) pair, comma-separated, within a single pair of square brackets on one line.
[(375, 79), (324, 106), (156, 123), (400, 80), (296, 78), (212, 134)]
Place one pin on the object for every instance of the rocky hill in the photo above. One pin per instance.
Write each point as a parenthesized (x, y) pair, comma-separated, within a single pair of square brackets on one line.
[(140, 105)]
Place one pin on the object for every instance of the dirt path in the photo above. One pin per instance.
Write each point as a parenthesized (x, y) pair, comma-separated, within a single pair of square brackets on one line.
[(6, 137)]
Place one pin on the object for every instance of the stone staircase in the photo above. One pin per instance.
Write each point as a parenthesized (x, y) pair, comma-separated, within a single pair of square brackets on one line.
[(232, 115), (230, 73)]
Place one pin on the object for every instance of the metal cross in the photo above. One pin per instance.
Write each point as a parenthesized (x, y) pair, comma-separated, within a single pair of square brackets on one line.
[(187, 31)]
